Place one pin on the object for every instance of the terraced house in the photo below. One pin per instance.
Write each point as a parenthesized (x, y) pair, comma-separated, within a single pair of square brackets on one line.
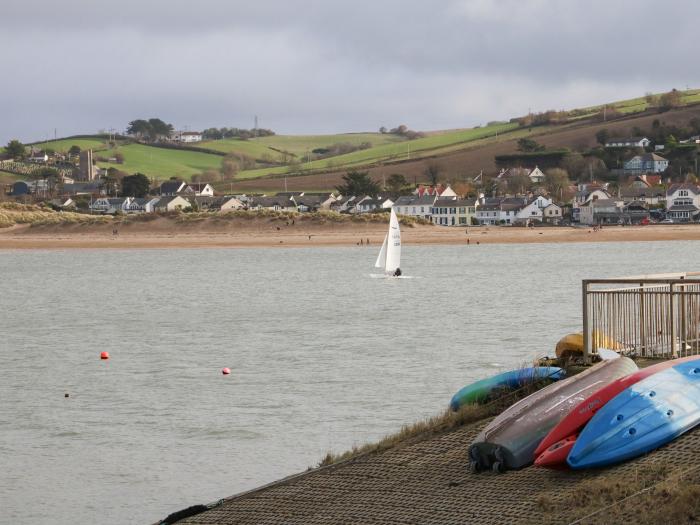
[(415, 206), (453, 212)]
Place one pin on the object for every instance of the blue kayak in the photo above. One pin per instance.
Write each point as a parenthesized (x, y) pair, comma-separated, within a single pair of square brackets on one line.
[(482, 390), (641, 418)]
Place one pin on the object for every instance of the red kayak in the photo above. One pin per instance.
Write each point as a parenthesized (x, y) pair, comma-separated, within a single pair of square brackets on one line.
[(555, 456), (574, 422)]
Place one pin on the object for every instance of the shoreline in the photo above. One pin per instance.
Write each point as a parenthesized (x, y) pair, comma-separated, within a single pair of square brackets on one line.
[(246, 235)]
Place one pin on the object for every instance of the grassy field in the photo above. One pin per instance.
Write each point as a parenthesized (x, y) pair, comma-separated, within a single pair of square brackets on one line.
[(298, 145), (63, 145), (162, 163), (393, 152)]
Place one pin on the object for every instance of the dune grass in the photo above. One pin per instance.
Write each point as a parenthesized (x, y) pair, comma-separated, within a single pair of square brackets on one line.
[(12, 213)]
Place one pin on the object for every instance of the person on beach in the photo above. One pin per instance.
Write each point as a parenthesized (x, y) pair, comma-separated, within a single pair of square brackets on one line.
[(397, 272)]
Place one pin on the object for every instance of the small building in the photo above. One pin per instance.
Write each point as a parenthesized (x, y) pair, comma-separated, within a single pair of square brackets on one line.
[(38, 157), (172, 187), (368, 204), (536, 175), (63, 204), (552, 213), (272, 203), (199, 189), (171, 203), (110, 206), (20, 188), (601, 211), (649, 162), (628, 142), (186, 137)]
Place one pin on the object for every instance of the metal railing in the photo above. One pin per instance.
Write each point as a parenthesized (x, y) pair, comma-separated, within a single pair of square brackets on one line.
[(655, 316)]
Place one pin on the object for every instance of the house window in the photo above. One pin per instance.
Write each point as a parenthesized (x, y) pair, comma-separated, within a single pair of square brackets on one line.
[(421, 209), (462, 210)]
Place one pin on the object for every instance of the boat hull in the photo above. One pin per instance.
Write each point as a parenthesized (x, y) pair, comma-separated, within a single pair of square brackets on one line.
[(641, 418), (510, 440), (480, 391), (555, 455), (575, 420)]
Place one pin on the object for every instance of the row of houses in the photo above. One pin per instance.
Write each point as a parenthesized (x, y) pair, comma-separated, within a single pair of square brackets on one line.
[(595, 205), (450, 210)]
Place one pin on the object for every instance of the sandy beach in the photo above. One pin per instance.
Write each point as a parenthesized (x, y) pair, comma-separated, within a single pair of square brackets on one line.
[(164, 233)]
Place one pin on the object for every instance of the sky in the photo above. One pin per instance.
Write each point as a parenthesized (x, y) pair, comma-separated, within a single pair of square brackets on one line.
[(327, 66)]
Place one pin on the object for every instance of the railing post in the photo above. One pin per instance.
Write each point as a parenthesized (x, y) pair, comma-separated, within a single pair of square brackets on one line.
[(672, 317), (642, 320), (586, 336)]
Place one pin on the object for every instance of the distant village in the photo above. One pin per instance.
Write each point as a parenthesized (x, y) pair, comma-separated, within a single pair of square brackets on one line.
[(642, 195)]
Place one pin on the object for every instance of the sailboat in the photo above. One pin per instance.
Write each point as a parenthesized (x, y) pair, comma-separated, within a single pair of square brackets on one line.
[(390, 254)]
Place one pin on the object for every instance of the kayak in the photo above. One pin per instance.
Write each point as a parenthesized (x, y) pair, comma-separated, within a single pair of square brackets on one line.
[(555, 455), (641, 418), (510, 440), (575, 420), (482, 390)]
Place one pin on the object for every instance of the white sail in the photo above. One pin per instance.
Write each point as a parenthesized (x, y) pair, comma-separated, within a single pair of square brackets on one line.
[(393, 249), (381, 259)]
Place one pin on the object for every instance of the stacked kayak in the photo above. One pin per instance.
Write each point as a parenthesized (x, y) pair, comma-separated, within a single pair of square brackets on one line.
[(641, 418), (510, 440), (556, 446), (482, 390)]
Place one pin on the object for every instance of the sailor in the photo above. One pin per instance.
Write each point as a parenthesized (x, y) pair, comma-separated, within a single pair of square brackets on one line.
[(397, 272)]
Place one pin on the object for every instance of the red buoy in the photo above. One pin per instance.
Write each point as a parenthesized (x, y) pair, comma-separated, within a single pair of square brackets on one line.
[(104, 355), (226, 371)]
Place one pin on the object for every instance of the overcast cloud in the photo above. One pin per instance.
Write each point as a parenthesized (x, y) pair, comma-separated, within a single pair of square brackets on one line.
[(327, 66)]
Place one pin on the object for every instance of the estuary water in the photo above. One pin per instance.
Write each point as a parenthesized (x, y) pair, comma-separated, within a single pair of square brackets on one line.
[(323, 357)]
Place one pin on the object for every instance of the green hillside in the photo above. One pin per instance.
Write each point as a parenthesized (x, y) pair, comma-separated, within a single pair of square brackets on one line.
[(160, 162), (386, 148), (63, 145), (396, 151), (298, 145)]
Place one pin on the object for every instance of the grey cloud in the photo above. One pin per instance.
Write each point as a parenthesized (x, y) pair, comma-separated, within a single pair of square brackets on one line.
[(323, 66)]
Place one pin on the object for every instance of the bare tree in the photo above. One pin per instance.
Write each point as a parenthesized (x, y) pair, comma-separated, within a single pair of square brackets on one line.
[(433, 170)]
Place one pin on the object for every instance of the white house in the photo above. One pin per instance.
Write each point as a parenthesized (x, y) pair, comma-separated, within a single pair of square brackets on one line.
[(648, 162), (488, 211), (415, 206), (552, 213), (368, 204), (108, 205), (199, 189), (453, 212), (272, 203), (186, 136), (683, 202), (536, 175), (38, 157), (533, 209), (171, 204), (628, 142)]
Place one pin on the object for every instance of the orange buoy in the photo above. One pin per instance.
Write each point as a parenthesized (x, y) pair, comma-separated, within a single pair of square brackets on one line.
[(104, 355), (226, 371)]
